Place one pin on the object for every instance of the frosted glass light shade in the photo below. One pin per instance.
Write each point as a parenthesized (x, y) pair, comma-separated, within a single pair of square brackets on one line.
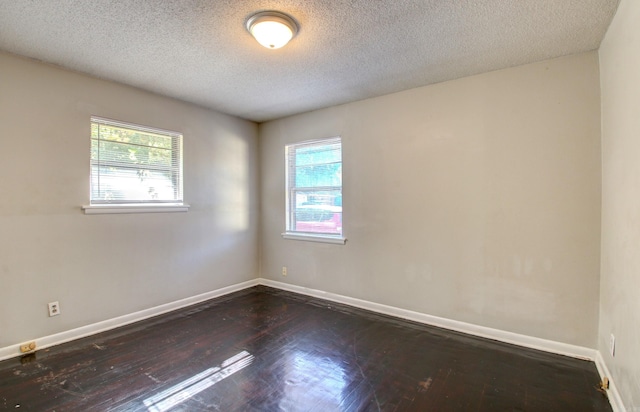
[(272, 29)]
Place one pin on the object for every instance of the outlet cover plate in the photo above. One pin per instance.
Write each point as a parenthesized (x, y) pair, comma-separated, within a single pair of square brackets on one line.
[(54, 309)]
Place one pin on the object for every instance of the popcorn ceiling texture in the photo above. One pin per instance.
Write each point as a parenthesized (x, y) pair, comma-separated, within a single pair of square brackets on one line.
[(346, 50)]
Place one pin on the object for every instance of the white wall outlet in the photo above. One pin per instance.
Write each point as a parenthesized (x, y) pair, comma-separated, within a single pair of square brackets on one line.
[(54, 309), (612, 345), (284, 271)]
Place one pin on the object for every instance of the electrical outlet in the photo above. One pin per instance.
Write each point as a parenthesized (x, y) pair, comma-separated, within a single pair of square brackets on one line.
[(54, 309), (612, 345), (284, 271), (28, 347)]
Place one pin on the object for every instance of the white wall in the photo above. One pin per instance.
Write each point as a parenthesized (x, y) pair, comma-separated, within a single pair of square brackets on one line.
[(476, 200), (620, 275), (102, 266)]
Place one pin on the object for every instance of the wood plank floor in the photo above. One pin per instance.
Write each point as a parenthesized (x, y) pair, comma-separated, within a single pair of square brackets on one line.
[(263, 349)]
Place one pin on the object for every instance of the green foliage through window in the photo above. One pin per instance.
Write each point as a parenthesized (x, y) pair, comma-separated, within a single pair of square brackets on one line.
[(134, 164)]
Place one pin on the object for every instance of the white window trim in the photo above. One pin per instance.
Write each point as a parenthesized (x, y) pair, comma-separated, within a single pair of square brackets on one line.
[(132, 207), (103, 209), (336, 240), (311, 237)]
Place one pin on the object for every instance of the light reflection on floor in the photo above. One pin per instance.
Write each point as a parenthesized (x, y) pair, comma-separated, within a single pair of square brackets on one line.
[(313, 381), (184, 390)]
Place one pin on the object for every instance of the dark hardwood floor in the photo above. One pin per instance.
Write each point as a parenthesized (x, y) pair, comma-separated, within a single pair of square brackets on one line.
[(263, 349)]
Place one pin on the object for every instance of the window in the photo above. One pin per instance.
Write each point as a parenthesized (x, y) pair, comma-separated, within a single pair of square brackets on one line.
[(314, 190), (134, 165)]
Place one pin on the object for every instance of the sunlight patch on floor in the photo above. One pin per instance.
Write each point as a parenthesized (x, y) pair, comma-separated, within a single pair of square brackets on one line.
[(186, 389)]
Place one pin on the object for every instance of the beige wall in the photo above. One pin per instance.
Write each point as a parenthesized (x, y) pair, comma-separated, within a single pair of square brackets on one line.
[(476, 200), (102, 266), (620, 275)]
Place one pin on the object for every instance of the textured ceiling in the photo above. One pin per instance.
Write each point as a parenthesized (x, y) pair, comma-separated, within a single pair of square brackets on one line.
[(346, 50)]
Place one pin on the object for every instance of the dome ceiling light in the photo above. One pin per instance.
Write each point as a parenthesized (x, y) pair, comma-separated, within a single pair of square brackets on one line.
[(272, 29)]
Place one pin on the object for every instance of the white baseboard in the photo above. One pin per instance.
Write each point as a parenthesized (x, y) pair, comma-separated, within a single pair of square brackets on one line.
[(469, 328), (88, 330), (614, 396), (482, 331), (560, 348)]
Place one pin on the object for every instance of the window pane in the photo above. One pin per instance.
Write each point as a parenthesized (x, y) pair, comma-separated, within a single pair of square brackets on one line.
[(314, 187), (124, 153), (318, 211), (313, 154), (319, 175), (110, 183), (318, 197), (131, 165), (319, 219), (119, 134)]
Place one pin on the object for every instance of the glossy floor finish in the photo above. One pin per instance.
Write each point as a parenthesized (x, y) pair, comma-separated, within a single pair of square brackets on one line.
[(263, 349)]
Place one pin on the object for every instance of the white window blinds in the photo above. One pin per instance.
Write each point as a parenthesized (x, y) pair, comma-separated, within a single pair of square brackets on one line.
[(134, 164)]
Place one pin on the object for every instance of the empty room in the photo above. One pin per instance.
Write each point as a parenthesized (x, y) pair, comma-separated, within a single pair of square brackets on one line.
[(341, 205)]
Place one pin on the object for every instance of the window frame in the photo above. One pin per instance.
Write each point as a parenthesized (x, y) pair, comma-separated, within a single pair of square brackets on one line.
[(99, 206), (292, 188)]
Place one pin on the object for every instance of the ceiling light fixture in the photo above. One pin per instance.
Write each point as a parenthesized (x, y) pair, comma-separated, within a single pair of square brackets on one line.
[(272, 29)]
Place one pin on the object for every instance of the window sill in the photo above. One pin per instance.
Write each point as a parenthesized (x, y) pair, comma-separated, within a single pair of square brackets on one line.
[(134, 208), (315, 238)]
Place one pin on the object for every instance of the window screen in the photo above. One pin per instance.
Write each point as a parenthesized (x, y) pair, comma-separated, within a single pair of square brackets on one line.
[(134, 164), (314, 187)]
